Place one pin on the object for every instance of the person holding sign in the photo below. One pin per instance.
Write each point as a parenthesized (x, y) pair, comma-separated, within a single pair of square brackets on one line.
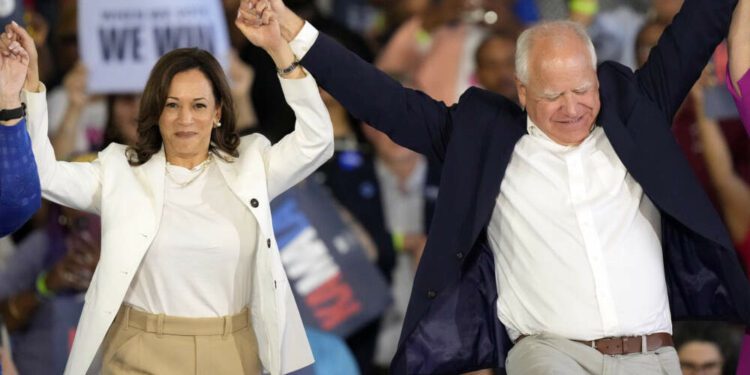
[(189, 279)]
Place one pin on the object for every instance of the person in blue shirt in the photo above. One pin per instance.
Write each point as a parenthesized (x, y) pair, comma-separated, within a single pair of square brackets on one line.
[(20, 194)]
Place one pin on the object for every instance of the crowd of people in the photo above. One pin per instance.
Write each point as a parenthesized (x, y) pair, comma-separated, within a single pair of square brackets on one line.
[(522, 174)]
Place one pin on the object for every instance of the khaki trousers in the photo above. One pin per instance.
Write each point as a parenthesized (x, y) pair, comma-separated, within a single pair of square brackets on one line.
[(547, 354), (143, 343)]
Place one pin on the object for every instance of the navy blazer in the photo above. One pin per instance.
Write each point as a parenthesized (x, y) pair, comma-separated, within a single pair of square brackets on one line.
[(451, 324)]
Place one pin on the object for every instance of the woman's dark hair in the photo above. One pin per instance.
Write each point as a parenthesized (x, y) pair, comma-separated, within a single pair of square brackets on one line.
[(224, 138)]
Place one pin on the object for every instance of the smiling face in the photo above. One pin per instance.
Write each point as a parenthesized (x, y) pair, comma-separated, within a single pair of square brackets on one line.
[(562, 93), (190, 112)]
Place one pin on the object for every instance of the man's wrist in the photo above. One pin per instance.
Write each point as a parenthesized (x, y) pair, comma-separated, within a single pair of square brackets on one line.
[(291, 24), (10, 101)]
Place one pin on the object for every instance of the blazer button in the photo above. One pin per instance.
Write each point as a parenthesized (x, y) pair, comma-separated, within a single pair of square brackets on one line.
[(268, 242), (460, 255), (254, 203), (431, 294)]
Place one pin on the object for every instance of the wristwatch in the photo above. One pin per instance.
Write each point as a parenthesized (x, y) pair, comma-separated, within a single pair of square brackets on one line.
[(13, 113)]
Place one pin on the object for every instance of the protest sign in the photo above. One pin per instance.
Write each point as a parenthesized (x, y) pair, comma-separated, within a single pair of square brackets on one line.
[(120, 40), (336, 287)]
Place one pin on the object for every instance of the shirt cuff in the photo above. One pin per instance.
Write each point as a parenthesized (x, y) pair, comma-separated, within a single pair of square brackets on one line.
[(299, 88), (304, 40), (33, 99)]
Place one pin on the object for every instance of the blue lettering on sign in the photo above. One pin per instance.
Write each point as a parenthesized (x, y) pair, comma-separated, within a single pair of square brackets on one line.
[(288, 221)]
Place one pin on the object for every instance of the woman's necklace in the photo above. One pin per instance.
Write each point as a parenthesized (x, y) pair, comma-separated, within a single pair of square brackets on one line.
[(198, 172)]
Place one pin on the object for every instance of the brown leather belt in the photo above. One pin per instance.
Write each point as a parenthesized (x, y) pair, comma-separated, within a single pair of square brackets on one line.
[(625, 345)]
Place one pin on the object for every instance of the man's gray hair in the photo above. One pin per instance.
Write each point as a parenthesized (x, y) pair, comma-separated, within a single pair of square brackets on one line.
[(553, 29)]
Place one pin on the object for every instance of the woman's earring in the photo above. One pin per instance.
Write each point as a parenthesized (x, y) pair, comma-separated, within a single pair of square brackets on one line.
[(218, 124)]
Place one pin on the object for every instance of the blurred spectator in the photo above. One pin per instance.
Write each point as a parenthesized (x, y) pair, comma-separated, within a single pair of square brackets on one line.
[(408, 188), (614, 31), (122, 124), (495, 61), (64, 41), (434, 51), (392, 14), (241, 78), (350, 178), (40, 290), (76, 119), (701, 357), (357, 15), (707, 348)]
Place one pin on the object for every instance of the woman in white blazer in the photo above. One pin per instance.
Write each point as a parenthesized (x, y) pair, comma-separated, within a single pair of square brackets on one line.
[(189, 263)]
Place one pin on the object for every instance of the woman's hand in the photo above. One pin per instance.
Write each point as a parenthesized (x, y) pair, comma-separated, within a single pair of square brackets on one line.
[(258, 22), (75, 85)]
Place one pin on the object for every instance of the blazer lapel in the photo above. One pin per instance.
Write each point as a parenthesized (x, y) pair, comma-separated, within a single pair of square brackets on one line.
[(245, 177)]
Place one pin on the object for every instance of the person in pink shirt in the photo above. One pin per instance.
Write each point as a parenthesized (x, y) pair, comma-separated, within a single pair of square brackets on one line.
[(738, 79), (738, 82)]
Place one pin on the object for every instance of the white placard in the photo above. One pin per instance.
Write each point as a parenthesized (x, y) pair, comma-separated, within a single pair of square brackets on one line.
[(120, 40)]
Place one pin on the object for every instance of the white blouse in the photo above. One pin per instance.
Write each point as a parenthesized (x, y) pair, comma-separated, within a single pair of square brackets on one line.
[(200, 260)]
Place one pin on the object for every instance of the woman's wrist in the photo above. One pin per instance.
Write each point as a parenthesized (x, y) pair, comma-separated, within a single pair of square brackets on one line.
[(287, 64), (10, 101)]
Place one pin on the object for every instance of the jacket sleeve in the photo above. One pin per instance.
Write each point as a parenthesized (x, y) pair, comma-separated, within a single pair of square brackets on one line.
[(75, 185), (409, 117), (683, 51), (19, 181), (305, 149)]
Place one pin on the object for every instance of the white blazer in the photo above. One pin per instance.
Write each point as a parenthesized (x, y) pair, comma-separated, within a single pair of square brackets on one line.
[(130, 201)]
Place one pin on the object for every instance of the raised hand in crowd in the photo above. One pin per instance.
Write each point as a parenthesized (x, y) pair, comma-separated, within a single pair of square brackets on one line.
[(241, 76), (75, 83)]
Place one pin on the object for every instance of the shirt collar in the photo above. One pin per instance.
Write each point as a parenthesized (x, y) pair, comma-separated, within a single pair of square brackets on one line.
[(539, 134)]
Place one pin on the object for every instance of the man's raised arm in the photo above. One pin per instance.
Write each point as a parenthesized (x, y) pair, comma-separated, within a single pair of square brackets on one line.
[(683, 51)]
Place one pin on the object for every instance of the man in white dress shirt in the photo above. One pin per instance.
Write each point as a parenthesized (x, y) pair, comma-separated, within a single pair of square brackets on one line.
[(572, 227)]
